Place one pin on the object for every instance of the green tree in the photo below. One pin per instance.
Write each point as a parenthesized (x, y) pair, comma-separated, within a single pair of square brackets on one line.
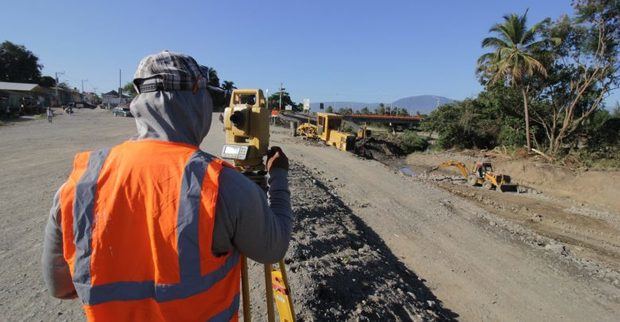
[(365, 110), (345, 111), (228, 85), (411, 142), (381, 109), (129, 89), (467, 124), (329, 109), (274, 100), (18, 64), (47, 81), (211, 73), (616, 111), (514, 57), (582, 72)]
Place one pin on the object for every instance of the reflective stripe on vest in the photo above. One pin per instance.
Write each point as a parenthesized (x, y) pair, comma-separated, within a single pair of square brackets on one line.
[(191, 280)]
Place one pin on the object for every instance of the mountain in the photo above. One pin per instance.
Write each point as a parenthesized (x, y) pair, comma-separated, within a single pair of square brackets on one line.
[(421, 103), (338, 105)]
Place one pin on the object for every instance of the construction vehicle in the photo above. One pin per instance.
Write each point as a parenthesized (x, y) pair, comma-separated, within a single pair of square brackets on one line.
[(327, 129), (481, 174), (363, 132)]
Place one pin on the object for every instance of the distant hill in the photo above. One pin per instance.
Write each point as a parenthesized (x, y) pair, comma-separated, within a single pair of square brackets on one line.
[(337, 105), (421, 103)]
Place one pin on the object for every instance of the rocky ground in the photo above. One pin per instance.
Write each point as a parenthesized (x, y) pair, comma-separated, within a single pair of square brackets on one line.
[(341, 269)]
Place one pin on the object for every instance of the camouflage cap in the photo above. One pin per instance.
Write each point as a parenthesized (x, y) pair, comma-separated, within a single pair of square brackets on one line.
[(169, 71)]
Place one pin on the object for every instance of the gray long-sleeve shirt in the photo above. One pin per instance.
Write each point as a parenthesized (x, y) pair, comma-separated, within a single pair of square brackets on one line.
[(257, 226)]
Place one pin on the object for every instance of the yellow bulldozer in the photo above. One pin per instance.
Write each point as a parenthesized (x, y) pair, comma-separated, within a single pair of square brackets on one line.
[(481, 174), (327, 129)]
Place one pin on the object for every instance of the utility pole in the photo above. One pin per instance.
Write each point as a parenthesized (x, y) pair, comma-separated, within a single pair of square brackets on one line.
[(120, 88), (58, 97), (83, 80), (281, 91)]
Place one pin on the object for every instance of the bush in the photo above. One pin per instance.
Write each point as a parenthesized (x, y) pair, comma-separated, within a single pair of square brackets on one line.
[(466, 124), (510, 136), (411, 142)]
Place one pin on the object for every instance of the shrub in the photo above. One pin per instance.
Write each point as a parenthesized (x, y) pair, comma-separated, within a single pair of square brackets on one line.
[(411, 142), (510, 136)]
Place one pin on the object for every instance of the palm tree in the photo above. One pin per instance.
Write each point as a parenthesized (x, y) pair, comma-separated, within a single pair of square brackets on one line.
[(211, 73), (513, 59), (228, 85)]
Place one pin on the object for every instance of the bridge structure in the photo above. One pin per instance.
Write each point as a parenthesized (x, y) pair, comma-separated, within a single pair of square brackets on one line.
[(394, 122), (390, 120)]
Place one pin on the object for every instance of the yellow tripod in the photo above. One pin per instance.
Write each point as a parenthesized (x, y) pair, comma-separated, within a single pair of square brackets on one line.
[(276, 288)]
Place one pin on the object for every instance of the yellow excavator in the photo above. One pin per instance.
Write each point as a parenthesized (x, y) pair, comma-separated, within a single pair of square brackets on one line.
[(327, 129), (481, 174)]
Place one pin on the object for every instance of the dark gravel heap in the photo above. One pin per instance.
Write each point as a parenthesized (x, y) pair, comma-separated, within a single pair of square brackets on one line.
[(377, 148), (341, 270)]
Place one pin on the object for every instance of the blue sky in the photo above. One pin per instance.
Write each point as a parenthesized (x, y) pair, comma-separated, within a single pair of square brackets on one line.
[(369, 51)]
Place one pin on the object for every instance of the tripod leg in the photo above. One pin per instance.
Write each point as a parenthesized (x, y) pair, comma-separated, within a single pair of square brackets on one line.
[(269, 294), (245, 290), (285, 280)]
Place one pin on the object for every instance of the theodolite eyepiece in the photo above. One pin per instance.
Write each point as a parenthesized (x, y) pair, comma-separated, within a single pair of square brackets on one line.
[(237, 119)]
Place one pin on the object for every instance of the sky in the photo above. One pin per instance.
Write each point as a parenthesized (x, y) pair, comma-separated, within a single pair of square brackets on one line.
[(364, 51)]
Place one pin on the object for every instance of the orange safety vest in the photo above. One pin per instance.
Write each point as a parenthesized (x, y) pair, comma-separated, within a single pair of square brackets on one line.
[(137, 223)]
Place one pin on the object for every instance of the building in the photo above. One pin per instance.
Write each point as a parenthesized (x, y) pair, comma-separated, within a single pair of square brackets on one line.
[(111, 99), (91, 98), (20, 98)]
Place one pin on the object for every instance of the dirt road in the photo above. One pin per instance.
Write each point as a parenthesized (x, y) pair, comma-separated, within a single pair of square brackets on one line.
[(479, 271), (405, 241)]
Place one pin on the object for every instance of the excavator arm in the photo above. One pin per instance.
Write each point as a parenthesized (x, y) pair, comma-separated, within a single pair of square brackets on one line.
[(457, 164)]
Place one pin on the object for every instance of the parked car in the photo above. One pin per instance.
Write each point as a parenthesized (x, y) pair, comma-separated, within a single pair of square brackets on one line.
[(122, 111)]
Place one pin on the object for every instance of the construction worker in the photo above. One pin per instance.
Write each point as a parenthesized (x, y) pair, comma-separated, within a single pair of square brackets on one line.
[(152, 229)]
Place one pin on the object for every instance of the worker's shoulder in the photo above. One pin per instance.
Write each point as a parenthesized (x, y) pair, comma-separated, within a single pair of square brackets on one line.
[(233, 183), (81, 159)]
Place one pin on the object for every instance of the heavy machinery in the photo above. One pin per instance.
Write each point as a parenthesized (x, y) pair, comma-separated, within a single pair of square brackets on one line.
[(327, 129), (481, 174)]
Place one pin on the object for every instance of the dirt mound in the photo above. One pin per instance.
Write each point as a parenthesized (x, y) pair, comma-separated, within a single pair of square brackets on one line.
[(375, 148), (341, 270)]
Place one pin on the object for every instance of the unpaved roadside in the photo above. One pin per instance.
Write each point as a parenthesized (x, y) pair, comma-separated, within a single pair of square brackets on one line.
[(479, 271), (437, 246)]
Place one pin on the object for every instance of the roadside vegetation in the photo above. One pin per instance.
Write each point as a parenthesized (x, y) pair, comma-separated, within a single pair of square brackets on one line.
[(544, 89)]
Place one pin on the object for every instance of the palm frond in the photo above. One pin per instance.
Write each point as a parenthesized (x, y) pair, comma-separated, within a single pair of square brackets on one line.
[(494, 42), (515, 46)]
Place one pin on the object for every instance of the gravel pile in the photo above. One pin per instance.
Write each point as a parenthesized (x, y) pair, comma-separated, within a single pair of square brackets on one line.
[(341, 270), (377, 148)]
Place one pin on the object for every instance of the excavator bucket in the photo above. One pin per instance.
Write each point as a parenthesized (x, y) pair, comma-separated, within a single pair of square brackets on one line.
[(504, 184)]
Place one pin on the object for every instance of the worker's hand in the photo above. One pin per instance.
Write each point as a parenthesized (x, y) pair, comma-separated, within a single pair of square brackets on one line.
[(276, 159)]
